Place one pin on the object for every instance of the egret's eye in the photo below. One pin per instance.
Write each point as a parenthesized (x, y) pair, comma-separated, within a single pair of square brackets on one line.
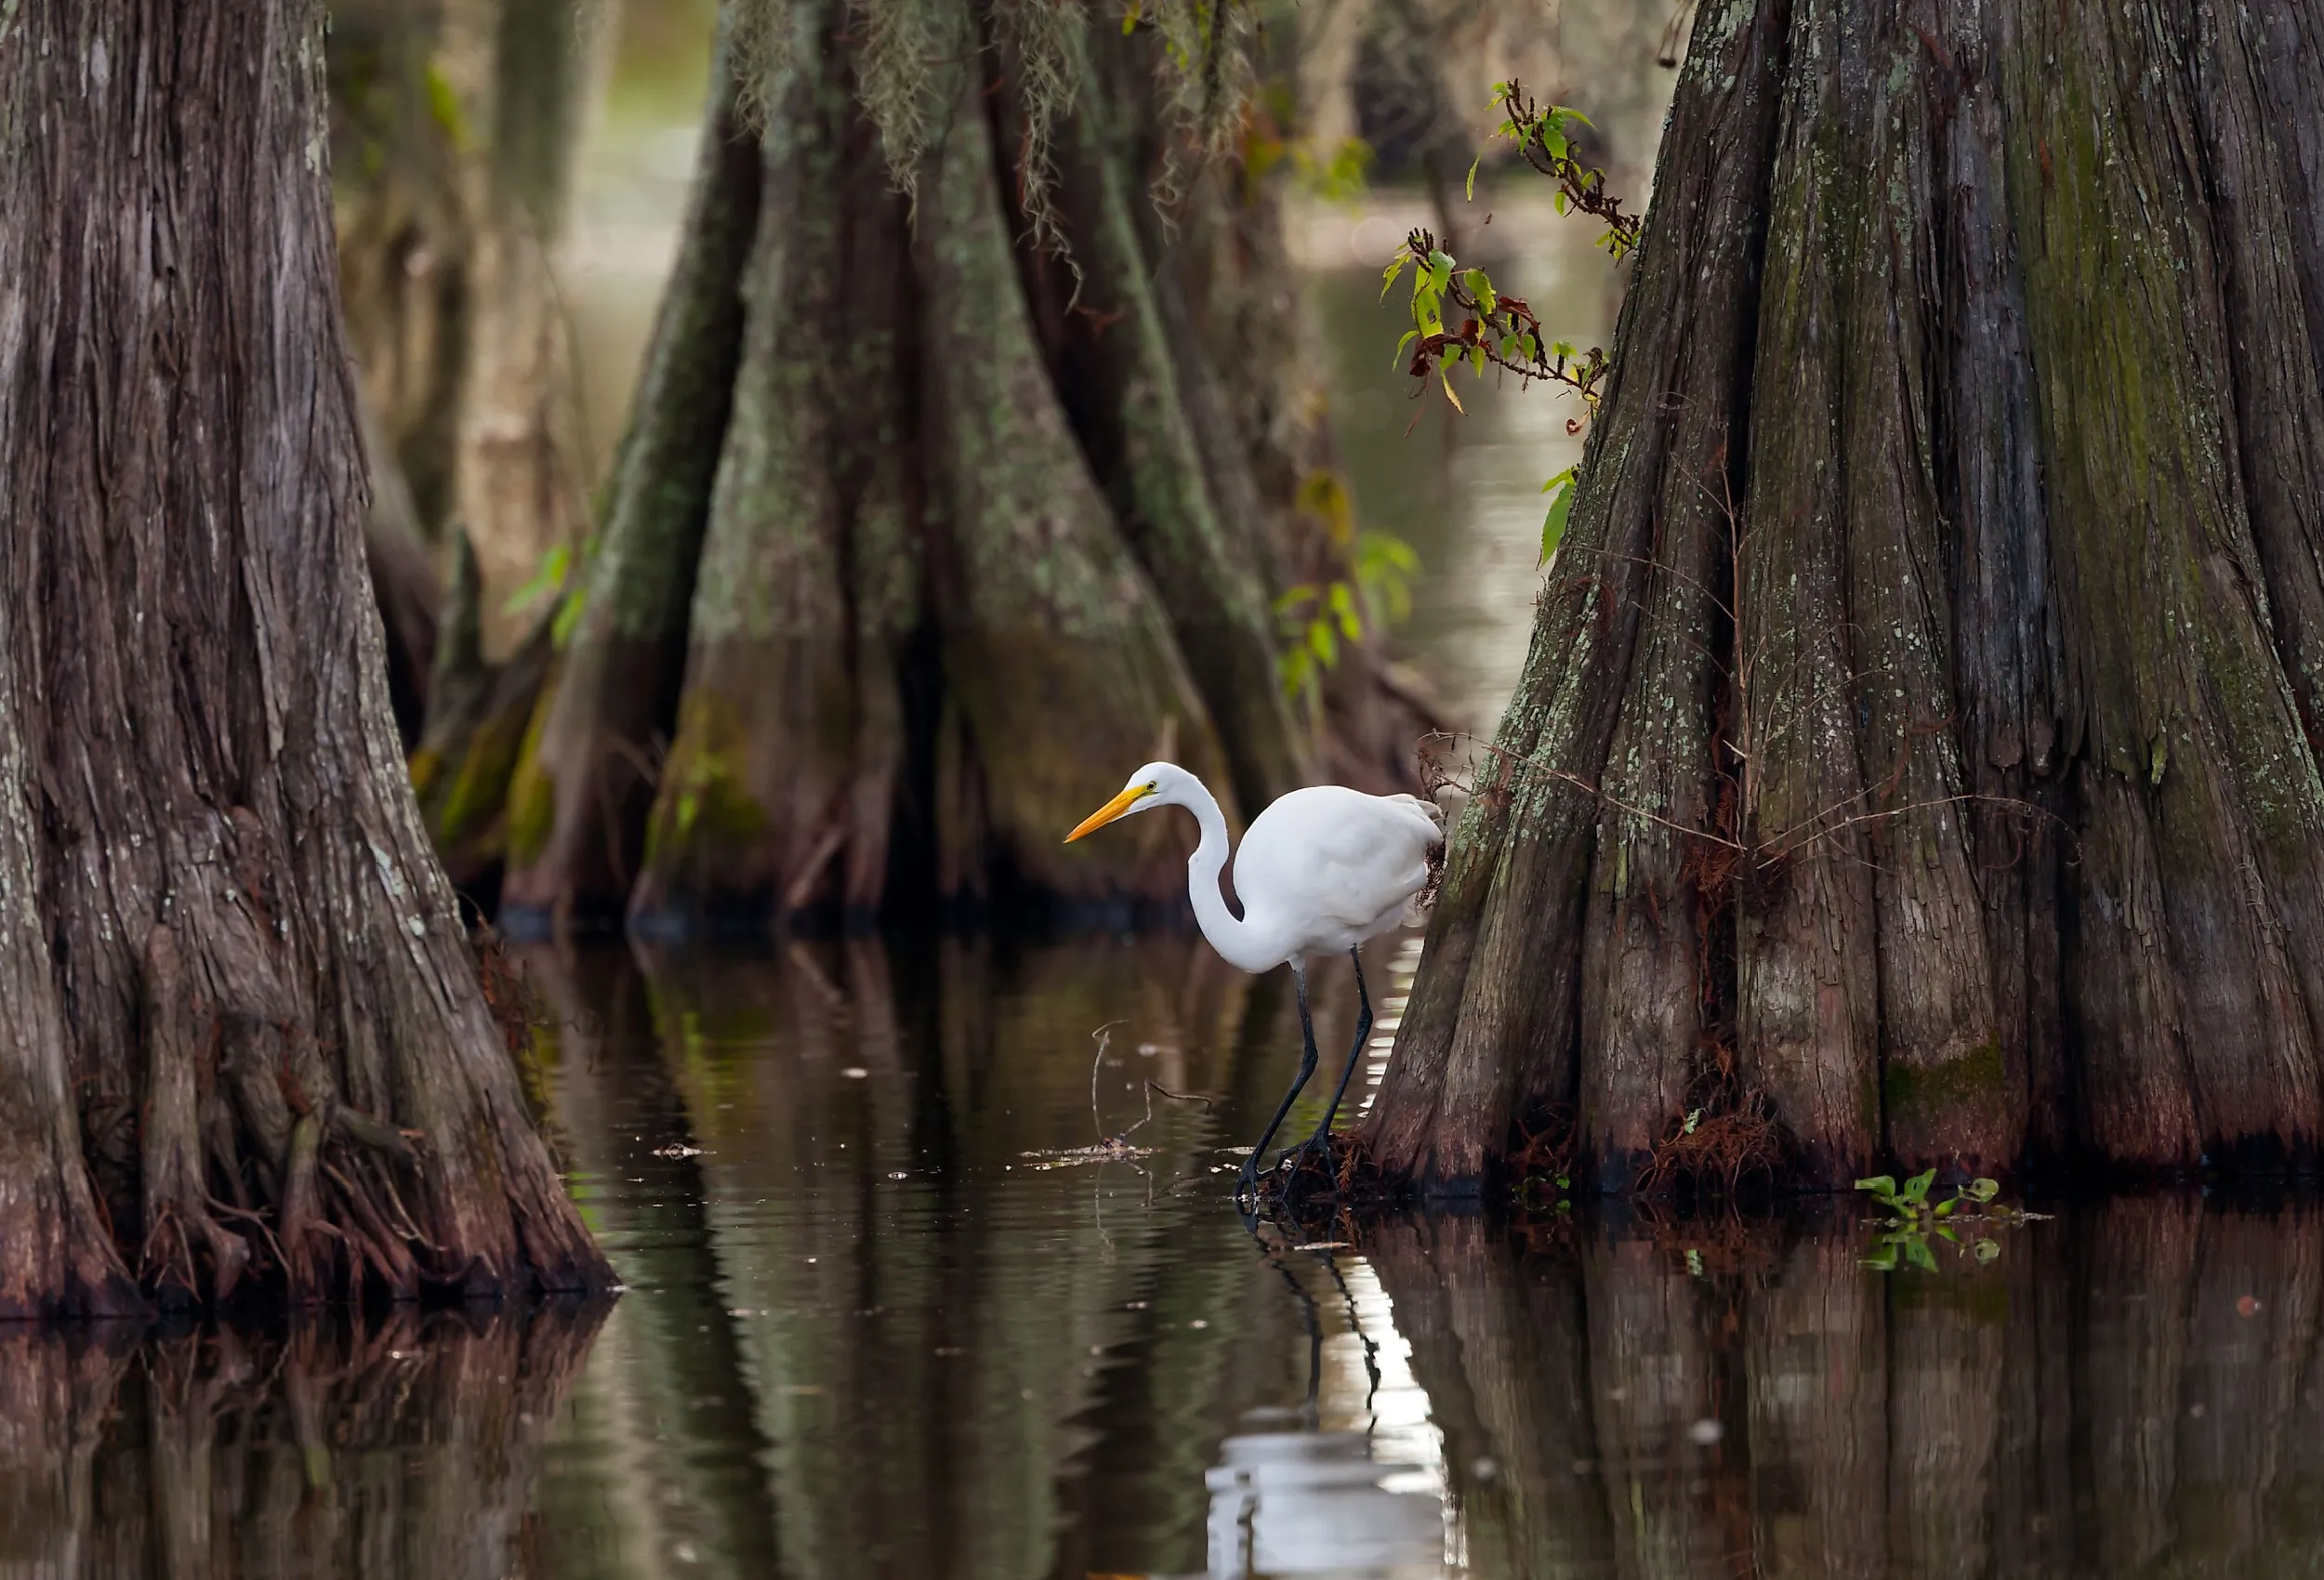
[(1152, 786)]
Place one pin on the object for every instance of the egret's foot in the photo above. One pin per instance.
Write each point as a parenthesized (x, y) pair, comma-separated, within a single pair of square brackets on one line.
[(1315, 1154), (1246, 1187)]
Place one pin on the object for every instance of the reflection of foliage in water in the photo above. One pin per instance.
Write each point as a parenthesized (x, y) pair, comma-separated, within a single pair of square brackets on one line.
[(1912, 1220)]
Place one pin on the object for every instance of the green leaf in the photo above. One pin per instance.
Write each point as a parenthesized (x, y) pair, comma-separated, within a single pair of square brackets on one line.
[(1472, 177), (1552, 534), (1917, 1252), (1880, 1184), (1409, 335), (1444, 375), (1388, 275), (548, 576), (568, 617), (1948, 1235), (1945, 1209), (1482, 289), (1321, 641), (443, 107), (1130, 20), (1476, 359), (1343, 606), (1527, 349), (1986, 1250), (1298, 671), (1985, 1190), (1440, 267), (1916, 1188), (1882, 1260)]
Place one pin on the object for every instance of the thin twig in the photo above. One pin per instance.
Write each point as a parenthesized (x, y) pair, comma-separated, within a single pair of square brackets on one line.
[(1105, 1035)]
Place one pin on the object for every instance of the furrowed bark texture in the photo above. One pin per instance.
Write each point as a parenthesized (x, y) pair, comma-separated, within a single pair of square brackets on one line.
[(1490, 1032), (244, 1024), (1918, 735), (947, 548)]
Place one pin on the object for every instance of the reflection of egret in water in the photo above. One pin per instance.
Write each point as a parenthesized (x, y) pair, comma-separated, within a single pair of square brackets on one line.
[(1288, 1497)]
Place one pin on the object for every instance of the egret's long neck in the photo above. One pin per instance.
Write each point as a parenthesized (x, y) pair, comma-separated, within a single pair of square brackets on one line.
[(1235, 939)]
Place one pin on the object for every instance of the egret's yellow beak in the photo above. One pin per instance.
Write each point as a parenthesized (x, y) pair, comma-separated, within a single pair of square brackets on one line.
[(1111, 811)]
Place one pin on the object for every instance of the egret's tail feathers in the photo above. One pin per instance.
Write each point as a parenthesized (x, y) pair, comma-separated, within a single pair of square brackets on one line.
[(1428, 809)]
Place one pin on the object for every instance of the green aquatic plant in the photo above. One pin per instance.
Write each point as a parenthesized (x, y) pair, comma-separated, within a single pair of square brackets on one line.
[(1911, 1221)]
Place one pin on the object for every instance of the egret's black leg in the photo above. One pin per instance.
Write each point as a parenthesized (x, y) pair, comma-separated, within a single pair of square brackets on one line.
[(1250, 1186), (1321, 1140)]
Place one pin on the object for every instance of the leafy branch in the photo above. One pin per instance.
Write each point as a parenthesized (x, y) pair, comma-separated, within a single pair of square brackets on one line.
[(1490, 327), (1542, 135)]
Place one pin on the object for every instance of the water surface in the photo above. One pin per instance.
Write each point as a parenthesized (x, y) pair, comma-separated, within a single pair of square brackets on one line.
[(888, 1316)]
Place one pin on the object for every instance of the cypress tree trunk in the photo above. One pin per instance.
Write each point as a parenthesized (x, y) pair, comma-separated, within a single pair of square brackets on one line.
[(245, 1033), (1915, 736), (587, 770), (518, 488), (951, 530)]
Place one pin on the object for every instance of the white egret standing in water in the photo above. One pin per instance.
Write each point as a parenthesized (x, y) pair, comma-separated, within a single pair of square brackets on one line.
[(1321, 870)]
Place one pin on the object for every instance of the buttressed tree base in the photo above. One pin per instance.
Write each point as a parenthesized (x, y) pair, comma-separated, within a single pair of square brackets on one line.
[(245, 1045), (1916, 743)]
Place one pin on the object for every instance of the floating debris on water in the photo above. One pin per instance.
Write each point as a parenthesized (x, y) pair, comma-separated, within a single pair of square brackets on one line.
[(1114, 1149)]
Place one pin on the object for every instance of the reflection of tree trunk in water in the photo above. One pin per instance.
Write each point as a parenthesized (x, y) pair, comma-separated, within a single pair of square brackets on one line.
[(1503, 1351), (245, 1032), (670, 1371), (55, 1397), (2034, 1469), (958, 1352), (1814, 1357), (2097, 609), (1654, 1375), (2251, 1325), (2139, 1260), (987, 521), (389, 1450), (1947, 1375)]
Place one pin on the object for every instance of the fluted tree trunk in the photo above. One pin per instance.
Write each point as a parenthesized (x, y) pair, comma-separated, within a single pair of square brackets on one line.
[(927, 531), (246, 1035), (1917, 736)]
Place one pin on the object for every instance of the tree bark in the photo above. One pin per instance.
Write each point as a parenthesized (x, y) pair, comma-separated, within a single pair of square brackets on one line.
[(247, 1031), (518, 488), (976, 543), (588, 775), (1916, 736)]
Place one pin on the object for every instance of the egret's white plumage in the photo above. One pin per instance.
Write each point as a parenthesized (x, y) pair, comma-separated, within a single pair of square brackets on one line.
[(1320, 871)]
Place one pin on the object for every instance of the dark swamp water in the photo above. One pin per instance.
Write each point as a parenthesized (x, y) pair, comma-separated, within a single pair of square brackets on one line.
[(886, 1317)]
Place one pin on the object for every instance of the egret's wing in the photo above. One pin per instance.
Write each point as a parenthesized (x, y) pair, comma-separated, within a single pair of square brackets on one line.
[(1334, 855)]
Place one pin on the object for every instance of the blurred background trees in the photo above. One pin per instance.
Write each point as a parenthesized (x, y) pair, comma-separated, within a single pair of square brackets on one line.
[(983, 437)]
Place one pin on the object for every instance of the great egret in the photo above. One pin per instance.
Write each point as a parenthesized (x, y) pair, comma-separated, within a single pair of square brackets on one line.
[(1321, 870)]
